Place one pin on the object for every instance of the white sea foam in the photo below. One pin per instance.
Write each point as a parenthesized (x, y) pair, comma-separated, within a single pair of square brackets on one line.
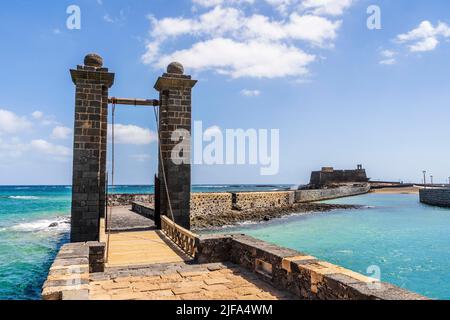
[(61, 225), (24, 197)]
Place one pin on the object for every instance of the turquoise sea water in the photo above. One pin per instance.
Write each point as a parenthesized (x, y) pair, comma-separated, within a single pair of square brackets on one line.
[(28, 245), (408, 241)]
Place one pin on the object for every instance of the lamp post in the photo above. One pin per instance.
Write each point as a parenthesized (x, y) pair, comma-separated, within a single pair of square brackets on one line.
[(424, 179), (431, 179)]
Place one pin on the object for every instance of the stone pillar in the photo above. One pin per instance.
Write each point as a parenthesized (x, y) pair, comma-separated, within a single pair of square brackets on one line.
[(175, 113), (92, 82)]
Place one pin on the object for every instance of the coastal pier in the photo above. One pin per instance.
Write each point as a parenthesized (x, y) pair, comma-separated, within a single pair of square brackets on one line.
[(151, 252)]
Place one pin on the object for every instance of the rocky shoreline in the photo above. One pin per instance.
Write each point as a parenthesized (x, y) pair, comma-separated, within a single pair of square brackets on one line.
[(235, 217)]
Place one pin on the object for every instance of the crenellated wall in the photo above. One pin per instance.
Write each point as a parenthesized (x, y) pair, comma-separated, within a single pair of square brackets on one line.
[(435, 197)]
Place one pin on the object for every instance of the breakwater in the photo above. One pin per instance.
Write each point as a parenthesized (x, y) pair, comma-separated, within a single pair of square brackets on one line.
[(211, 202), (331, 193), (439, 197), (226, 208)]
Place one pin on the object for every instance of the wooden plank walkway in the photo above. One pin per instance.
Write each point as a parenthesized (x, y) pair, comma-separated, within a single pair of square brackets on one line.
[(134, 241), (142, 248)]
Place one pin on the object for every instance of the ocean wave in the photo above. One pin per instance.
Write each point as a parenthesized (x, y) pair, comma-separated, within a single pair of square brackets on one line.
[(60, 224), (212, 186), (24, 197)]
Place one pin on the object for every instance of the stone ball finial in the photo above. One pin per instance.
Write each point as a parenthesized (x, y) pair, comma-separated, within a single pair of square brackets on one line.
[(93, 60), (176, 68)]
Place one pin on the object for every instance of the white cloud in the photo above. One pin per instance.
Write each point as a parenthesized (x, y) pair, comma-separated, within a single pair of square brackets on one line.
[(61, 133), (232, 23), (327, 7), (208, 3), (428, 44), (43, 119), (388, 61), (120, 18), (256, 59), (425, 37), (49, 148), (250, 93), (281, 6), (11, 123), (231, 42), (388, 53), (388, 57), (13, 148), (37, 115), (213, 3), (131, 134)]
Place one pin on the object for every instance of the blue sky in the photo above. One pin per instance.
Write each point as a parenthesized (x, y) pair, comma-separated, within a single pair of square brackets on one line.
[(339, 93)]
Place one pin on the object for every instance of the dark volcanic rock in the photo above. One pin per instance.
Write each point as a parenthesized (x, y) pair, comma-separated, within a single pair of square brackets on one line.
[(232, 217)]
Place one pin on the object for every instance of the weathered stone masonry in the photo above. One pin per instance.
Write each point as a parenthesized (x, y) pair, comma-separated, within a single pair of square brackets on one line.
[(175, 114), (435, 197), (305, 276), (211, 204), (92, 83)]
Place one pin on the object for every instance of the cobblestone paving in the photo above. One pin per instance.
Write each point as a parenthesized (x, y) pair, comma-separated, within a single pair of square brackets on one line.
[(182, 282)]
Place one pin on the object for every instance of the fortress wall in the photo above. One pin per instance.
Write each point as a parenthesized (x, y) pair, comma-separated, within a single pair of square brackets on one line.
[(251, 200), (203, 204), (327, 194), (320, 178), (210, 204), (435, 197)]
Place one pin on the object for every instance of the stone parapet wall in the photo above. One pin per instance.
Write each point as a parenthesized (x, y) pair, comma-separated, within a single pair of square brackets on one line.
[(252, 200), (68, 278), (119, 200), (305, 276), (302, 196), (144, 209), (435, 197), (203, 204)]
